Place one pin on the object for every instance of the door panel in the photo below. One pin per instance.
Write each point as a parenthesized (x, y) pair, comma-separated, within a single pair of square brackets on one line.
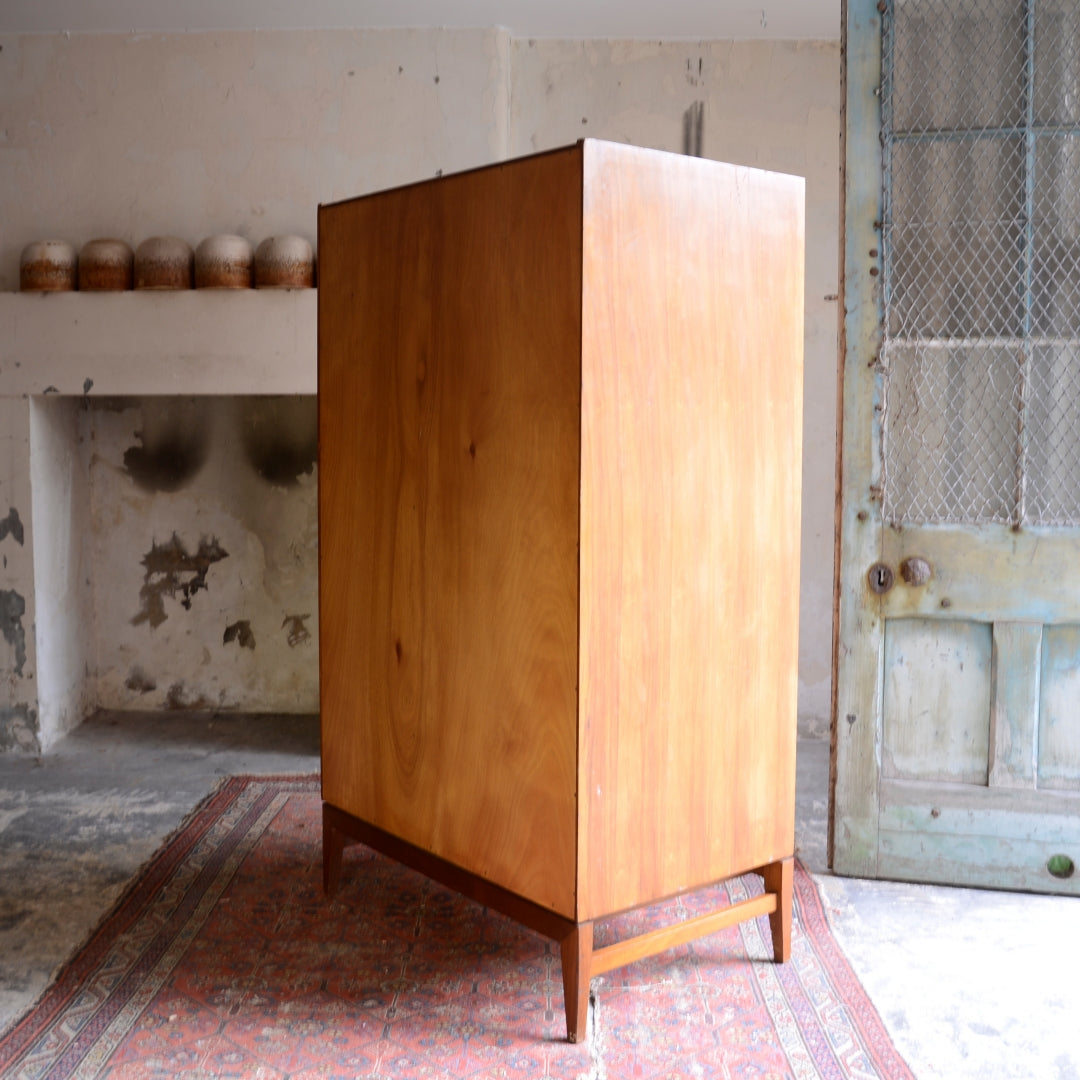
[(1059, 710), (957, 659), (937, 669), (974, 836), (1017, 675)]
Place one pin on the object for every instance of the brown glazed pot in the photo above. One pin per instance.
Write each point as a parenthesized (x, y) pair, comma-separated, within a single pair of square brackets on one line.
[(164, 262), (284, 262), (47, 266), (223, 262), (105, 265)]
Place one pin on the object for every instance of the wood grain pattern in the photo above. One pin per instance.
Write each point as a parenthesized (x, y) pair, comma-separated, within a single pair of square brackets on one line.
[(599, 347), (654, 941), (690, 499), (343, 828), (576, 953), (449, 384), (779, 879), (560, 445)]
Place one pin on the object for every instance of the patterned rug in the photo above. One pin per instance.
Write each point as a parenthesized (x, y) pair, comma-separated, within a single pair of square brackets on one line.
[(225, 959)]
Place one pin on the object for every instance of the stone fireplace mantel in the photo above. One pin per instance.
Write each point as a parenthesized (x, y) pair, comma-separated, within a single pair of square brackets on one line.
[(256, 341)]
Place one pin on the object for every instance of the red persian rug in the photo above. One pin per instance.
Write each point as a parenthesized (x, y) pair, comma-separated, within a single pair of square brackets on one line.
[(225, 959)]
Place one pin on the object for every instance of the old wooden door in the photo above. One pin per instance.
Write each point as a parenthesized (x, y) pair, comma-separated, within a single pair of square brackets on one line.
[(957, 673)]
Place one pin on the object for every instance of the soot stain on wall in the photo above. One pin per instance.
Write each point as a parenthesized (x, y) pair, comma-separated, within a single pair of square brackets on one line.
[(165, 468), (172, 572), (139, 681), (241, 633), (174, 441), (12, 610), (12, 526), (296, 632), (280, 437)]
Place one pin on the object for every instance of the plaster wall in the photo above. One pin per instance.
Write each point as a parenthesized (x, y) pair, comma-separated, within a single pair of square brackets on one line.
[(247, 132), (64, 624), (193, 134)]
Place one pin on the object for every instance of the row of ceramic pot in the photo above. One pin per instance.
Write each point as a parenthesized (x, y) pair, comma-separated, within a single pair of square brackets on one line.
[(223, 261)]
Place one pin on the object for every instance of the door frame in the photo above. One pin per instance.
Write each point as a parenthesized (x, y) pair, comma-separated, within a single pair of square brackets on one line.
[(858, 669)]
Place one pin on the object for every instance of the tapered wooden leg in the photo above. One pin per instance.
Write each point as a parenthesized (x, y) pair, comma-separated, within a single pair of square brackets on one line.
[(577, 950), (780, 879), (333, 844)]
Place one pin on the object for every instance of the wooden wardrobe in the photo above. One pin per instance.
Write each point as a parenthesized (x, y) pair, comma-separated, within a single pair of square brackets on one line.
[(560, 439)]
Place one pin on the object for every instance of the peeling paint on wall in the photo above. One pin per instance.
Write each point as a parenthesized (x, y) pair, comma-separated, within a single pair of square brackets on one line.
[(171, 571), (296, 632), (12, 526), (18, 728), (12, 610), (241, 633)]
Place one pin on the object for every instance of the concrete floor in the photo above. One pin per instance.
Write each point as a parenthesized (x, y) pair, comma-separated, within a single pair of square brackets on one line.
[(970, 984)]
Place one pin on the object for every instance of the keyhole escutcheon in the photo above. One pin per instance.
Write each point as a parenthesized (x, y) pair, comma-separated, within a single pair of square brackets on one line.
[(881, 578)]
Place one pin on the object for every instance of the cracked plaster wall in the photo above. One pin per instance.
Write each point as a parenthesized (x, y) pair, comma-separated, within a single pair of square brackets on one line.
[(192, 134)]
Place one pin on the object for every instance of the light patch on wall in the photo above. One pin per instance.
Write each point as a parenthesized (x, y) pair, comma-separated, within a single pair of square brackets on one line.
[(172, 572)]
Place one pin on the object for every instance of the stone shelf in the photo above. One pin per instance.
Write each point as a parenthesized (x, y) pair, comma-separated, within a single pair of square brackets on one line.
[(149, 343)]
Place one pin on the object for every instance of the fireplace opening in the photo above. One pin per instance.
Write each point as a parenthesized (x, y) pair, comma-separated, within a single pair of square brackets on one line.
[(175, 555)]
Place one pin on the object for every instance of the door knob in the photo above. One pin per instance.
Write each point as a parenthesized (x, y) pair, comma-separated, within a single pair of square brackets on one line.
[(915, 570)]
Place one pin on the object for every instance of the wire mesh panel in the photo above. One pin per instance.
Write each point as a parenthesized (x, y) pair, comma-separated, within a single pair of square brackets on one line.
[(981, 247)]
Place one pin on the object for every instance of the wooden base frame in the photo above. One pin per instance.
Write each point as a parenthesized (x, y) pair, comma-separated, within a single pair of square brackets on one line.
[(580, 961)]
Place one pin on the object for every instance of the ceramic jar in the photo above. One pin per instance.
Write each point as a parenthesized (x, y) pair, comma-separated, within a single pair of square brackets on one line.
[(284, 262), (105, 266), (47, 266), (164, 262), (223, 262)]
